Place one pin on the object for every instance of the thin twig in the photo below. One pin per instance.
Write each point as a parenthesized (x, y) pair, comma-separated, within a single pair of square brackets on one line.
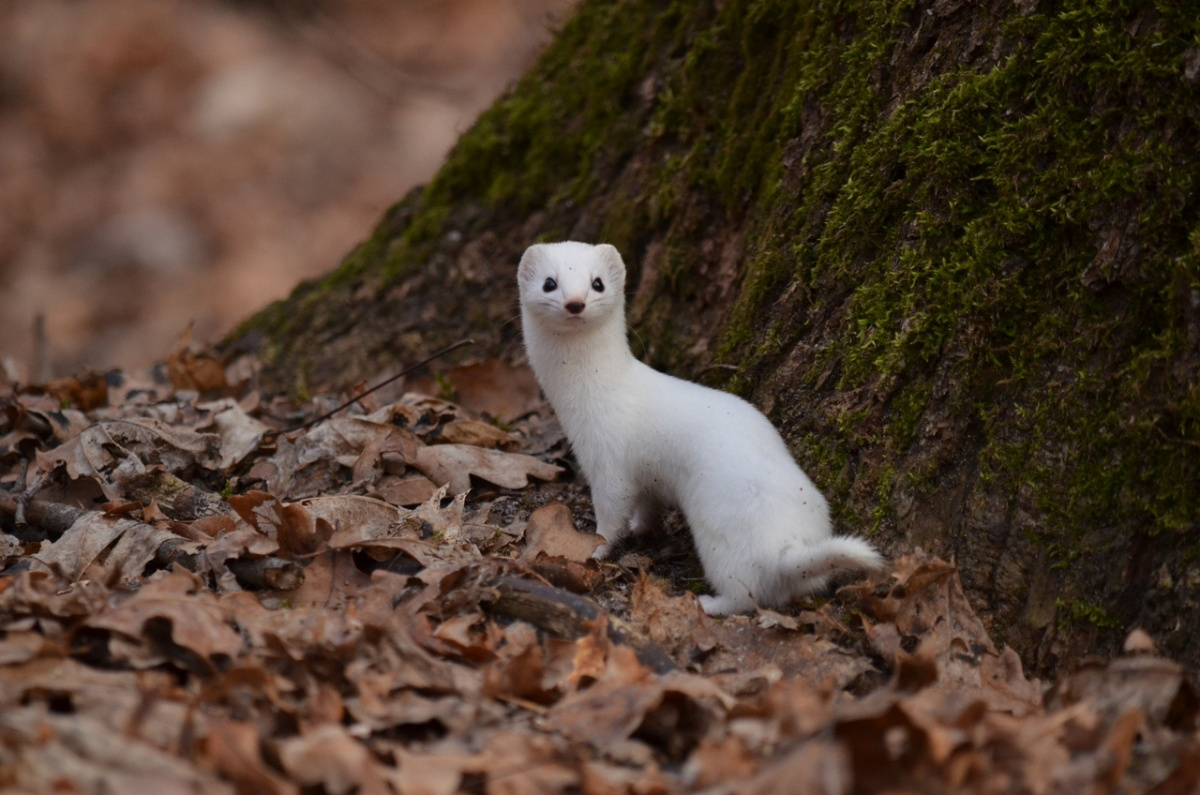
[(41, 350), (380, 385)]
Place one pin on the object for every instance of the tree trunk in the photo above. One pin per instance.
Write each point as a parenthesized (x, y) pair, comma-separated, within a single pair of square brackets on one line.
[(951, 249)]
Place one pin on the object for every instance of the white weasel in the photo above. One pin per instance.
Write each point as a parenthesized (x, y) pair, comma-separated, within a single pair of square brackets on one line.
[(646, 439)]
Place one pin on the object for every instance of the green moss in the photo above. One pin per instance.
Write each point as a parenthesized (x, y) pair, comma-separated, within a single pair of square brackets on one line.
[(967, 216), (445, 387), (543, 144), (1087, 613), (908, 405)]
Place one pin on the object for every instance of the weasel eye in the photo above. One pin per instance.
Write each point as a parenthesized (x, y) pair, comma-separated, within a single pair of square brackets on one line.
[(598, 285), (549, 285)]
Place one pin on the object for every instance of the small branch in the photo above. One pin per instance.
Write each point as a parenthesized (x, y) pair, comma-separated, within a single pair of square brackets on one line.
[(169, 554), (261, 574), (48, 521), (51, 518), (565, 614)]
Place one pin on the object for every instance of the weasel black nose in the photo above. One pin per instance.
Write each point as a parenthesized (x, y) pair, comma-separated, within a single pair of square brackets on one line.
[(575, 307)]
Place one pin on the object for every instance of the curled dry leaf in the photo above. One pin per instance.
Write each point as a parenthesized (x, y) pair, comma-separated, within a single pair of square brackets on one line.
[(113, 451), (387, 452), (426, 411), (405, 492), (33, 418), (239, 432), (294, 527), (453, 465), (496, 388), (196, 618), (93, 756), (479, 434), (244, 541), (119, 548), (966, 660), (330, 758), (42, 598), (520, 763), (771, 619), (670, 713), (317, 458), (122, 701), (551, 531), (432, 773), (817, 766), (85, 393), (344, 437), (675, 624), (1151, 686), (369, 517), (597, 660), (193, 367), (18, 646), (234, 749)]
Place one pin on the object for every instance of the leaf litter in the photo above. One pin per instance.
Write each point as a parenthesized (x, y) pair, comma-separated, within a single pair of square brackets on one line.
[(402, 599)]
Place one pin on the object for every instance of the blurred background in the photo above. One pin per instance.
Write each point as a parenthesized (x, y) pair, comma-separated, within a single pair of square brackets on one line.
[(163, 161)]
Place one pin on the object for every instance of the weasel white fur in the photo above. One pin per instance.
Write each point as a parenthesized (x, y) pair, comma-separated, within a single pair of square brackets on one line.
[(646, 439)]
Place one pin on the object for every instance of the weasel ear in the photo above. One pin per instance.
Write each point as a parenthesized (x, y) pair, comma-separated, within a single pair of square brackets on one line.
[(609, 254), (530, 260)]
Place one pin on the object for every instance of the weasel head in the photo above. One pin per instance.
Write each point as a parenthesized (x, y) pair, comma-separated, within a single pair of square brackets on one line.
[(570, 287)]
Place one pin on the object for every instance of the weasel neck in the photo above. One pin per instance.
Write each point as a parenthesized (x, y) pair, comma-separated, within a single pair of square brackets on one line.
[(571, 365)]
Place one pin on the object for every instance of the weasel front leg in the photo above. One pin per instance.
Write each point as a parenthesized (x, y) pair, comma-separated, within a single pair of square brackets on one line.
[(614, 509)]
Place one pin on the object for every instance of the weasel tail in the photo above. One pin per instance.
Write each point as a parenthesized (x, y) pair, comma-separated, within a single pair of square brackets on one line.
[(828, 556)]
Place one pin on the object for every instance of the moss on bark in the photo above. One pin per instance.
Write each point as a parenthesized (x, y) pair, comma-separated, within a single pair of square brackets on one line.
[(953, 249)]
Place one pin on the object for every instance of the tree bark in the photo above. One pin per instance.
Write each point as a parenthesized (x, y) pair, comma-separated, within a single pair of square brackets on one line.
[(952, 249)]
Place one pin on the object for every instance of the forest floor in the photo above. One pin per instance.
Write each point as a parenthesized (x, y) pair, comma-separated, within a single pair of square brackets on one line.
[(206, 590)]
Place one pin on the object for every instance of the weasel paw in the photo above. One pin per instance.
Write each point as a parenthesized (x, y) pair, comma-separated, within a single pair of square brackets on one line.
[(717, 605), (601, 552), (727, 605)]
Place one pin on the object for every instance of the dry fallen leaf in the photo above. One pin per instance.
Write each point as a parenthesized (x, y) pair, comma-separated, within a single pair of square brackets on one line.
[(477, 433), (551, 531), (405, 492), (193, 367), (85, 393), (79, 753), (496, 388), (330, 758), (113, 452), (119, 549), (232, 748), (453, 465), (415, 645), (1139, 642), (928, 603), (239, 432), (677, 625), (196, 620)]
